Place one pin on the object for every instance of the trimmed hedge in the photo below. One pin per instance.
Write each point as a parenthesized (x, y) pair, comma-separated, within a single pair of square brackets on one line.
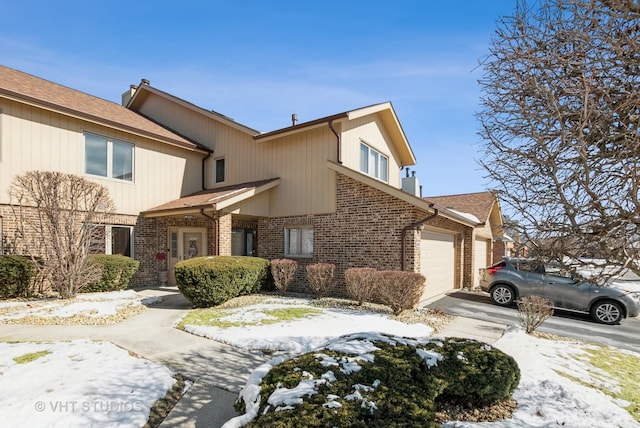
[(117, 271), (210, 281), (394, 386), (16, 274)]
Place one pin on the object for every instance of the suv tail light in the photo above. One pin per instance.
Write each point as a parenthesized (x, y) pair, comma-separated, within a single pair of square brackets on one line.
[(493, 269)]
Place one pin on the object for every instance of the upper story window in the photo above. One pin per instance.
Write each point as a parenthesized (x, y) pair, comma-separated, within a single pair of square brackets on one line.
[(0, 137), (106, 157), (374, 163), (220, 170)]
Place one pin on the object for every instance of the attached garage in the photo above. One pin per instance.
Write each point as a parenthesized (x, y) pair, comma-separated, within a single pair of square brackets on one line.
[(437, 263), (481, 252)]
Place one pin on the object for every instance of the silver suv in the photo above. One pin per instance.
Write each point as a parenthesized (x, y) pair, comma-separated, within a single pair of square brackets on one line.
[(512, 279)]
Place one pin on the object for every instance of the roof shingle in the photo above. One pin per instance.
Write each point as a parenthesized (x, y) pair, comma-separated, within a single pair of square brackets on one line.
[(478, 204), (15, 84)]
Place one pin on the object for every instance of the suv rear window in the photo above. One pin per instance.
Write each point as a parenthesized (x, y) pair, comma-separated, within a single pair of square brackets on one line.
[(529, 266)]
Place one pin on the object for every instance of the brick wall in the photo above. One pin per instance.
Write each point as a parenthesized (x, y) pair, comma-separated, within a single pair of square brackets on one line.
[(365, 231)]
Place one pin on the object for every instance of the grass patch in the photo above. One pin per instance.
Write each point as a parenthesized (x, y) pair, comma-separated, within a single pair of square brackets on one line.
[(32, 356), (226, 318), (622, 369)]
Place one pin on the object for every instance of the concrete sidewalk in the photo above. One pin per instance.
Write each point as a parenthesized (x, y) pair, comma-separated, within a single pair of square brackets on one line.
[(218, 371), (468, 328)]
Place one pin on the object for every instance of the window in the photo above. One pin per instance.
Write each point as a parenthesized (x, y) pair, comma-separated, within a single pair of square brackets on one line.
[(113, 240), (121, 240), (108, 158), (298, 241), (0, 140), (374, 163), (220, 170)]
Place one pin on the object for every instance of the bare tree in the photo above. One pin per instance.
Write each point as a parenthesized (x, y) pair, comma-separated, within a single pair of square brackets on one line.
[(560, 121), (59, 217)]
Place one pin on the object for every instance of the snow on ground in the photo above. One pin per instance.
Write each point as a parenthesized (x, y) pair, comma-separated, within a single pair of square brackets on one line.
[(94, 305), (78, 383), (305, 334), (545, 399), (85, 383)]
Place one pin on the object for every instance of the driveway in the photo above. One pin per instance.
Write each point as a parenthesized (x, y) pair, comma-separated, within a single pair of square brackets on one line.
[(478, 306)]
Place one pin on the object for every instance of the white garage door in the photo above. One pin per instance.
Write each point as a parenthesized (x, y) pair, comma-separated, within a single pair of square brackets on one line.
[(437, 263), (480, 250)]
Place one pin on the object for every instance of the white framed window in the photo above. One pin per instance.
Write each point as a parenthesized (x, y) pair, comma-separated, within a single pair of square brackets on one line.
[(107, 157), (298, 241), (219, 173), (374, 163), (113, 239), (0, 137)]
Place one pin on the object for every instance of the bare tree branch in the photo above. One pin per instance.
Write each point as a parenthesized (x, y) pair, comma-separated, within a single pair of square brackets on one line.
[(560, 119), (60, 217)]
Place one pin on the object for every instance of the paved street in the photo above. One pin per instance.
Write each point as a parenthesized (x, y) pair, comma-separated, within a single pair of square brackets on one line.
[(478, 306)]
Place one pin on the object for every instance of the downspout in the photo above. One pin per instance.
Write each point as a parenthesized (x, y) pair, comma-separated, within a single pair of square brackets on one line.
[(216, 226), (204, 171), (413, 226), (338, 142)]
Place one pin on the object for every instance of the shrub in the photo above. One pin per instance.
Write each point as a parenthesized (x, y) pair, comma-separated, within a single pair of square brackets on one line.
[(360, 284), (283, 271), (16, 274), (320, 277), (117, 271), (533, 311), (399, 290), (210, 281), (393, 385), (475, 374)]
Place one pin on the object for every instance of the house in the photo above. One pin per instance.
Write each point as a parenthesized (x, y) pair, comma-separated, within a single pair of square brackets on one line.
[(188, 181), (488, 235)]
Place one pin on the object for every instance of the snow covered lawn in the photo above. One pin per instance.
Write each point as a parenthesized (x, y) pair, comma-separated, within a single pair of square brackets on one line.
[(558, 387), (89, 308), (77, 384)]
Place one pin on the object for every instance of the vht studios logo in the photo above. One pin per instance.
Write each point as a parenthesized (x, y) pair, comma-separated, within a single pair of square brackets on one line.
[(105, 406)]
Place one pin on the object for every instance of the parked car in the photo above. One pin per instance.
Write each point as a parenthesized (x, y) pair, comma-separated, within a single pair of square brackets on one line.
[(512, 278)]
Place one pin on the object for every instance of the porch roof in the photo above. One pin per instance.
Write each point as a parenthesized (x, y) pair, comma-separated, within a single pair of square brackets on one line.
[(215, 199)]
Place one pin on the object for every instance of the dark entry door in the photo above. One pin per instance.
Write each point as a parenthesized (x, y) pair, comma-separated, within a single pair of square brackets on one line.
[(243, 242)]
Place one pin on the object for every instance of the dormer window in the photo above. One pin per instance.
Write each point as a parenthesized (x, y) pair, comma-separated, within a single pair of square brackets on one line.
[(374, 163)]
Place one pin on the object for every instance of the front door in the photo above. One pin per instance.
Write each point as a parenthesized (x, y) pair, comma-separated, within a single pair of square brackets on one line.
[(184, 244)]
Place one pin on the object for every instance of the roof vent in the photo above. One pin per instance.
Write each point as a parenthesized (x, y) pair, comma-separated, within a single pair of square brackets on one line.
[(145, 82), (294, 119)]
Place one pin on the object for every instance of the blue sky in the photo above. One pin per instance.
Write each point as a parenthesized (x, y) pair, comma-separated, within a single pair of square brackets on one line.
[(260, 61)]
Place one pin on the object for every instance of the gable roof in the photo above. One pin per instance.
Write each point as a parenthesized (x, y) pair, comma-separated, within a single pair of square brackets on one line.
[(25, 88), (216, 199), (142, 91), (478, 204), (402, 195), (384, 110)]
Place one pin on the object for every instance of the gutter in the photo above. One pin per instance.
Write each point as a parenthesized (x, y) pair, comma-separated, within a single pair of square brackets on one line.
[(216, 224), (204, 170), (414, 226), (338, 142)]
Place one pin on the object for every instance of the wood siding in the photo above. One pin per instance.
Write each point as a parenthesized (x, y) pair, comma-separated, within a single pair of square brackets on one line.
[(371, 131), (306, 185), (37, 139)]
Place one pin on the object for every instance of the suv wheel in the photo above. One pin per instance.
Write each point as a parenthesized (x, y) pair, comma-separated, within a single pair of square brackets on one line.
[(607, 312), (503, 295)]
